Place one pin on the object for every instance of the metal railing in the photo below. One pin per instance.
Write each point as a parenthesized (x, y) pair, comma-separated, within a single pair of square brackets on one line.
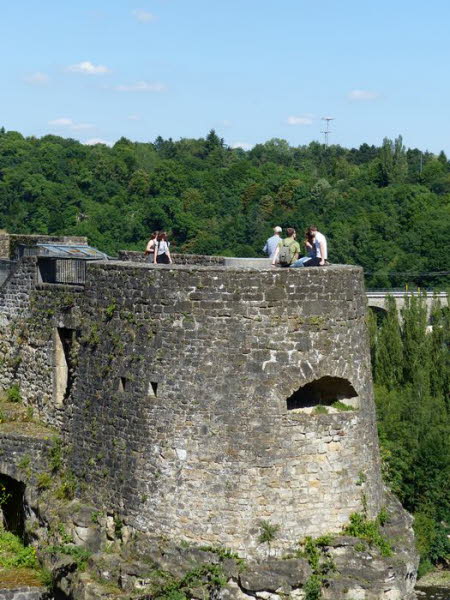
[(67, 271), (5, 269)]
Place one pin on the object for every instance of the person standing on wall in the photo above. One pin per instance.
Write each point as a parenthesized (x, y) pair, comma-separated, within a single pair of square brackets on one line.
[(272, 243), (287, 250), (319, 254), (150, 249), (162, 252)]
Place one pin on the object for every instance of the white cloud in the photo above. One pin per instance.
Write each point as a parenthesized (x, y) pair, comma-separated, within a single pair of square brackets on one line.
[(94, 141), (67, 122), (243, 145), (38, 78), (302, 120), (62, 122), (78, 126), (362, 95), (88, 68), (134, 117), (142, 86), (143, 16)]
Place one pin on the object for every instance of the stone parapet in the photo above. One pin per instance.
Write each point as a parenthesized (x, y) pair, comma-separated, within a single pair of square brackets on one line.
[(178, 258)]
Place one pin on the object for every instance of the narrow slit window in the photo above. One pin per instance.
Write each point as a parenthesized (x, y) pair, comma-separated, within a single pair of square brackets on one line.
[(123, 384), (64, 364), (153, 389)]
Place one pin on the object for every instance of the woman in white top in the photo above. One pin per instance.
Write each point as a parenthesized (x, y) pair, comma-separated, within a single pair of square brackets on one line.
[(162, 252)]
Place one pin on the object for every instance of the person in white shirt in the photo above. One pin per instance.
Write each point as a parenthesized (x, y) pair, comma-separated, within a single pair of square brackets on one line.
[(320, 245), (162, 252)]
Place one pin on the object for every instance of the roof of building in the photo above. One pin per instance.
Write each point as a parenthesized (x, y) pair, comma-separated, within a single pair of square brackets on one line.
[(80, 251)]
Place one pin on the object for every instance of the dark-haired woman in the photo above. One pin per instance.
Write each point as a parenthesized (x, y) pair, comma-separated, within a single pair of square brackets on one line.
[(150, 249), (309, 245), (162, 252)]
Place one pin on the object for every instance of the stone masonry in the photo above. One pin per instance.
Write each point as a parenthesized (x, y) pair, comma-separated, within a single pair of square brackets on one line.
[(177, 415)]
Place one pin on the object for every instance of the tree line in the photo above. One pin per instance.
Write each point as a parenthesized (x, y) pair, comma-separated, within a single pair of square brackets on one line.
[(411, 367), (385, 208)]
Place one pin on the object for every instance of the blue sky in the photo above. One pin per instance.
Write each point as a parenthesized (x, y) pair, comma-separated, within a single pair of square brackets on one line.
[(251, 69)]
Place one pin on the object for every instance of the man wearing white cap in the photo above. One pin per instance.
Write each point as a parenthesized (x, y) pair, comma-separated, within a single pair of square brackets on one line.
[(272, 243)]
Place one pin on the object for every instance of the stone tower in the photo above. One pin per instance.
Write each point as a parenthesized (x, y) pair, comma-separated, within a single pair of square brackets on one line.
[(198, 401)]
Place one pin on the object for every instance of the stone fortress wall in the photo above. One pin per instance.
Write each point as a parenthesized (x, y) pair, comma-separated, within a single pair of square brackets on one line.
[(176, 386)]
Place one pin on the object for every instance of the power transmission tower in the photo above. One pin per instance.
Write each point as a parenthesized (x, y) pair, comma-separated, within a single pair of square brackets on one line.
[(327, 128)]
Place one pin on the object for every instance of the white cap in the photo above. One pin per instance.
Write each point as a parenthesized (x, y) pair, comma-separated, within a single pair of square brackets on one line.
[(277, 229)]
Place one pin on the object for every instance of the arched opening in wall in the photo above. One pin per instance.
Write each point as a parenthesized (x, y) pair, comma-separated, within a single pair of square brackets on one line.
[(379, 314), (324, 395), (64, 365), (12, 510)]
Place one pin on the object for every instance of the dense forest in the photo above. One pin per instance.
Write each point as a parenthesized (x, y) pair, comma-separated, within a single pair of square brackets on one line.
[(385, 208), (412, 384)]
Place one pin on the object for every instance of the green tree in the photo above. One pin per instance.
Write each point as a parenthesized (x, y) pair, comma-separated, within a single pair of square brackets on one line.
[(393, 161), (389, 349)]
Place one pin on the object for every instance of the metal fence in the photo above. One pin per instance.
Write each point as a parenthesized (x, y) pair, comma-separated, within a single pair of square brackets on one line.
[(69, 271), (5, 269)]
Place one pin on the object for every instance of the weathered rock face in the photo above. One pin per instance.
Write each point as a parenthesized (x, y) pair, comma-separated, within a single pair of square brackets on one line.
[(23, 593), (178, 414)]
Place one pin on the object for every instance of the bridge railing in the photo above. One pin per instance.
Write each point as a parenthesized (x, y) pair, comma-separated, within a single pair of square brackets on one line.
[(402, 292)]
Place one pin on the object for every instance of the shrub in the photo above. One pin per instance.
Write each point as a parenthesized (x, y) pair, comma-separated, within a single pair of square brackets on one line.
[(118, 526), (268, 533), (80, 555), (67, 489), (55, 454), (204, 576), (110, 310), (313, 587), (44, 481), (14, 554), (24, 462), (13, 394), (369, 531)]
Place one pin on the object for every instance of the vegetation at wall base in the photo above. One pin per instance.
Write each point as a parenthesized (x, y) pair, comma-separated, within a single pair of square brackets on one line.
[(18, 563), (385, 208), (412, 384)]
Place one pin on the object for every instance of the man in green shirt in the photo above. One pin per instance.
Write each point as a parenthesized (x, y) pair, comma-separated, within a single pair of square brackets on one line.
[(287, 250)]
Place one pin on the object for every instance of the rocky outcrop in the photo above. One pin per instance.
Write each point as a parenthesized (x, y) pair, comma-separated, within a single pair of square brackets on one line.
[(24, 593)]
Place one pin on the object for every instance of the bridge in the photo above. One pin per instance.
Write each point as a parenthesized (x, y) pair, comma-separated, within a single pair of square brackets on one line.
[(377, 299)]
